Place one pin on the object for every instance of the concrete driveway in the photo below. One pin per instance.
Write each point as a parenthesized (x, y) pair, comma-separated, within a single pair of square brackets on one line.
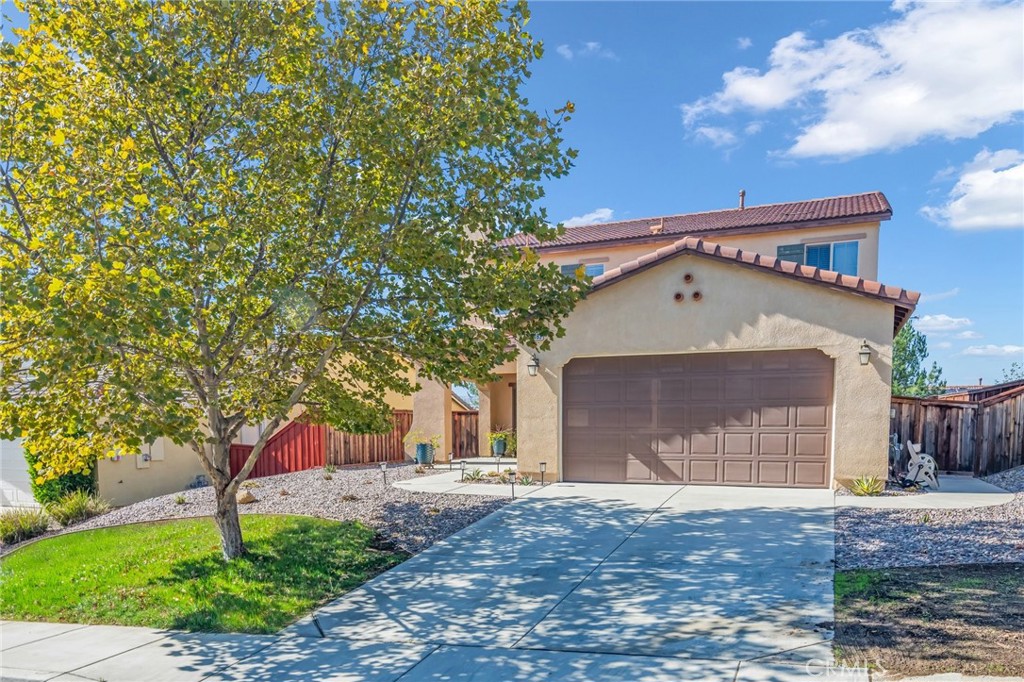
[(580, 582)]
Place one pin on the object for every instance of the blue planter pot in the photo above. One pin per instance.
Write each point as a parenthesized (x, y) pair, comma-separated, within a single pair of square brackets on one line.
[(424, 453), (498, 448)]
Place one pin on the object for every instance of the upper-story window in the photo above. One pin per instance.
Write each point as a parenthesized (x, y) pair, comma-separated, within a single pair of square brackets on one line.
[(839, 257), (590, 270)]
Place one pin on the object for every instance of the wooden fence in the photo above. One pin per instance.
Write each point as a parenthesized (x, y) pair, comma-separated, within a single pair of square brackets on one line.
[(355, 448), (465, 434), (982, 437), (300, 446)]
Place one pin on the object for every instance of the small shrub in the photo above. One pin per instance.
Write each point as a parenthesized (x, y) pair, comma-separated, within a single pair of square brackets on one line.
[(75, 507), (330, 469), (250, 484), (284, 493), (926, 518), (53, 490), (349, 497), (17, 525), (867, 486), (475, 475), (327, 477), (420, 469), (179, 499), (505, 479), (493, 474), (526, 479)]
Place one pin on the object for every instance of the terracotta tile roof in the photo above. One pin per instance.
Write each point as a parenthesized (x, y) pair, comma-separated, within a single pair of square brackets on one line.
[(828, 211), (904, 300)]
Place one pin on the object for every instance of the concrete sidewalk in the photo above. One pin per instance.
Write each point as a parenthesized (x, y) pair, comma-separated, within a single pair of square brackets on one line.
[(587, 583)]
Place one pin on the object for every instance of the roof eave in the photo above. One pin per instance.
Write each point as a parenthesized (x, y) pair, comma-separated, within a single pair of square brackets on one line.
[(750, 229)]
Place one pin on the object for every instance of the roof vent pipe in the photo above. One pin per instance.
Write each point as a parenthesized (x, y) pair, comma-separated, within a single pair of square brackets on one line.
[(658, 227), (743, 197)]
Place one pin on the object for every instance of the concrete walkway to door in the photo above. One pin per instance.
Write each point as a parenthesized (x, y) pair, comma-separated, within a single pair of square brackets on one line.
[(581, 582)]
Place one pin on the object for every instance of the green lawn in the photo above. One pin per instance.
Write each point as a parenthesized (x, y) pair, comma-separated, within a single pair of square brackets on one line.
[(171, 575)]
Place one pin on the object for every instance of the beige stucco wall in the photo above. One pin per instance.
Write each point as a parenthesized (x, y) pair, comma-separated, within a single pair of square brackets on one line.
[(170, 469), (741, 309), (432, 416), (765, 243)]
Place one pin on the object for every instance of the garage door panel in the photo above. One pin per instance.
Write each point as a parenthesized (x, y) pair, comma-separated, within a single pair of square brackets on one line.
[(704, 470), (772, 388), (774, 416), (773, 444), (705, 389), (757, 418), (641, 444), (671, 443), (738, 472), (812, 416), (639, 417), (607, 391), (704, 444), (737, 416), (811, 445), (740, 388), (641, 469), (673, 389), (639, 391), (704, 418), (772, 472), (812, 474), (739, 444)]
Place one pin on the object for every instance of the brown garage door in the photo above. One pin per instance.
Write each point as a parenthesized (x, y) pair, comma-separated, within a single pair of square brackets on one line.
[(757, 418)]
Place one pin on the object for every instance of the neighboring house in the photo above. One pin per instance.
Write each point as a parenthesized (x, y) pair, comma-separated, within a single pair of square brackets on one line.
[(979, 391), (749, 346)]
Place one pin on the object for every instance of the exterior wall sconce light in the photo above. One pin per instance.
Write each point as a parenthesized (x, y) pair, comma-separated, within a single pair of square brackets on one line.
[(543, 470), (864, 353), (533, 365), (384, 470)]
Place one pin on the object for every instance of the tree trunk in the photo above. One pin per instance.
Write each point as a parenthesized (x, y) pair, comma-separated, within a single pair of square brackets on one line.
[(227, 522)]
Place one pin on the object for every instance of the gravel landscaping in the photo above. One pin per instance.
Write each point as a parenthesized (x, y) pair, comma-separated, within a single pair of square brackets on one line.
[(409, 521), (890, 538)]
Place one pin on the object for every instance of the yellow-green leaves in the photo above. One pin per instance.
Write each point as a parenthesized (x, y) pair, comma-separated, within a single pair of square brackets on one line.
[(140, 200)]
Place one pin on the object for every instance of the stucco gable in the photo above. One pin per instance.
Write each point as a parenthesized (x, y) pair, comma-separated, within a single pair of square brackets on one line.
[(903, 300)]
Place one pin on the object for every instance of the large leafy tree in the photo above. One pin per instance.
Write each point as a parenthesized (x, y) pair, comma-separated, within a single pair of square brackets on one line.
[(213, 212), (910, 376)]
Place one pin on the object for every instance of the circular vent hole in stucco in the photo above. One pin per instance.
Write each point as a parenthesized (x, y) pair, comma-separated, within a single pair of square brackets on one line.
[(687, 278), (678, 296), (697, 295)]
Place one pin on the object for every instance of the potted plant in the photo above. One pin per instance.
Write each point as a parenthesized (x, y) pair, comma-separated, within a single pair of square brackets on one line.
[(501, 441), (425, 446)]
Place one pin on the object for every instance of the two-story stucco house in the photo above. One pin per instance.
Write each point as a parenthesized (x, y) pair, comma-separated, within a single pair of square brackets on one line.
[(750, 346)]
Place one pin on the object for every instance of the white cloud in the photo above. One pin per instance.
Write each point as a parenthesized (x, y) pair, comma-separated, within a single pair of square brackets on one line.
[(599, 215), (744, 43), (950, 70), (586, 49), (718, 137), (943, 345), (941, 323), (969, 334), (989, 193), (753, 128), (940, 296), (991, 350)]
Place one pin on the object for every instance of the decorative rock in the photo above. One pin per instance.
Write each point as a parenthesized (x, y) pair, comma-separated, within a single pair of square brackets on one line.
[(402, 517), (245, 497)]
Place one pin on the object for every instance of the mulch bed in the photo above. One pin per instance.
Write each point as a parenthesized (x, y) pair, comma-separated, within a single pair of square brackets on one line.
[(966, 619)]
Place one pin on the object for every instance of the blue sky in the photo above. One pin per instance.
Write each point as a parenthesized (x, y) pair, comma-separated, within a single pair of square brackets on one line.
[(679, 105), (922, 102)]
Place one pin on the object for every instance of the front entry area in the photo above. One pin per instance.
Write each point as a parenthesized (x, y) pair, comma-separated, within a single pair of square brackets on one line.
[(745, 418)]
